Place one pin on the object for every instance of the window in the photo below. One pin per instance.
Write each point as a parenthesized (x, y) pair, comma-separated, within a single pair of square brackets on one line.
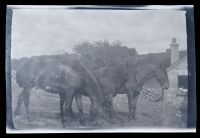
[(183, 81), (182, 85)]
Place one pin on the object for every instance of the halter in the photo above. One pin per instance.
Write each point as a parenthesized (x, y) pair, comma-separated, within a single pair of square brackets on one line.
[(147, 77)]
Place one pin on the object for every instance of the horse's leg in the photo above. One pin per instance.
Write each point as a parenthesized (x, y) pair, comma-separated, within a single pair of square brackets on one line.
[(78, 98), (130, 105), (26, 99), (71, 114), (93, 110), (110, 106), (69, 95), (19, 102), (135, 99), (62, 100), (106, 105), (132, 101)]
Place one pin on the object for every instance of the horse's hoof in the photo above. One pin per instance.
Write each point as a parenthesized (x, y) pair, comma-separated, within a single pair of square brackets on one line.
[(131, 117), (82, 123), (62, 121), (114, 120), (132, 120), (28, 118), (63, 125), (95, 123)]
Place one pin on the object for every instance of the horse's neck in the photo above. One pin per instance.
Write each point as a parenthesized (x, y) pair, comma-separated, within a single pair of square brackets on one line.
[(143, 75)]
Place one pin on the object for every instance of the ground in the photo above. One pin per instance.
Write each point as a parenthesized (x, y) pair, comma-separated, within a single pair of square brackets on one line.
[(44, 109)]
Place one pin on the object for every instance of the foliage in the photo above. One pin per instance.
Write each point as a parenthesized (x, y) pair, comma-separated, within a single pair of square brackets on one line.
[(103, 53)]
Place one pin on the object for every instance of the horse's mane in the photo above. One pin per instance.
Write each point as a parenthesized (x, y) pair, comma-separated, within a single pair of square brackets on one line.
[(145, 65), (91, 74)]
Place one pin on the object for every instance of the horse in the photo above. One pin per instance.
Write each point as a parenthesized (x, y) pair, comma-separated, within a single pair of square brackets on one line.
[(129, 78), (58, 74)]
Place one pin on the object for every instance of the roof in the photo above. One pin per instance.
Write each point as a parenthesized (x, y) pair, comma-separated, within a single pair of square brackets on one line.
[(177, 63), (165, 57)]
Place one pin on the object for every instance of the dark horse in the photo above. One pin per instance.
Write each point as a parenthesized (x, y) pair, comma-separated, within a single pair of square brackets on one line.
[(58, 74), (129, 79)]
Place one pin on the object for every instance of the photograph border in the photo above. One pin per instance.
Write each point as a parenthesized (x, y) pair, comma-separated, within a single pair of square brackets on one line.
[(192, 118)]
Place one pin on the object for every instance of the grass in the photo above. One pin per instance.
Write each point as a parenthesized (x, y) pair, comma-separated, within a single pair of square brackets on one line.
[(44, 109)]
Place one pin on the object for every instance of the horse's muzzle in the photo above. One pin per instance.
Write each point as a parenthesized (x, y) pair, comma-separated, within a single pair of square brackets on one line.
[(165, 86)]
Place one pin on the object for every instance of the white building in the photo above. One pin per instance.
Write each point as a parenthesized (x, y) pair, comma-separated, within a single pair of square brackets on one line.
[(178, 76)]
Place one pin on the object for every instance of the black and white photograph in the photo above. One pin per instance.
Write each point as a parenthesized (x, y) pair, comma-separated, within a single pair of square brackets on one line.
[(101, 70)]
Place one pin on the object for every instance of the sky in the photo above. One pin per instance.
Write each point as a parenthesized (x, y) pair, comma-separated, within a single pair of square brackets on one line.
[(51, 31)]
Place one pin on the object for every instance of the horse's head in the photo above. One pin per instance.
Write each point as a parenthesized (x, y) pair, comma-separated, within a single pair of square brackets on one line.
[(49, 79), (145, 70), (162, 77)]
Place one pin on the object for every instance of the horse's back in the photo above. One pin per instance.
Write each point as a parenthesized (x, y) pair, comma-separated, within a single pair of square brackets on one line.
[(110, 77)]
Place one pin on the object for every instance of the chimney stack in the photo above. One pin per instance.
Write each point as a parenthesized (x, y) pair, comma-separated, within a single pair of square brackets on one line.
[(174, 51)]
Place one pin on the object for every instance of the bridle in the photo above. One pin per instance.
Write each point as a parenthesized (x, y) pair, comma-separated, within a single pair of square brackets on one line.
[(147, 77)]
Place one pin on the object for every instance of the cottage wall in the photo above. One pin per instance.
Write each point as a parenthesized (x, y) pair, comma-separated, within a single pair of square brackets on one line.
[(173, 94), (173, 101)]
